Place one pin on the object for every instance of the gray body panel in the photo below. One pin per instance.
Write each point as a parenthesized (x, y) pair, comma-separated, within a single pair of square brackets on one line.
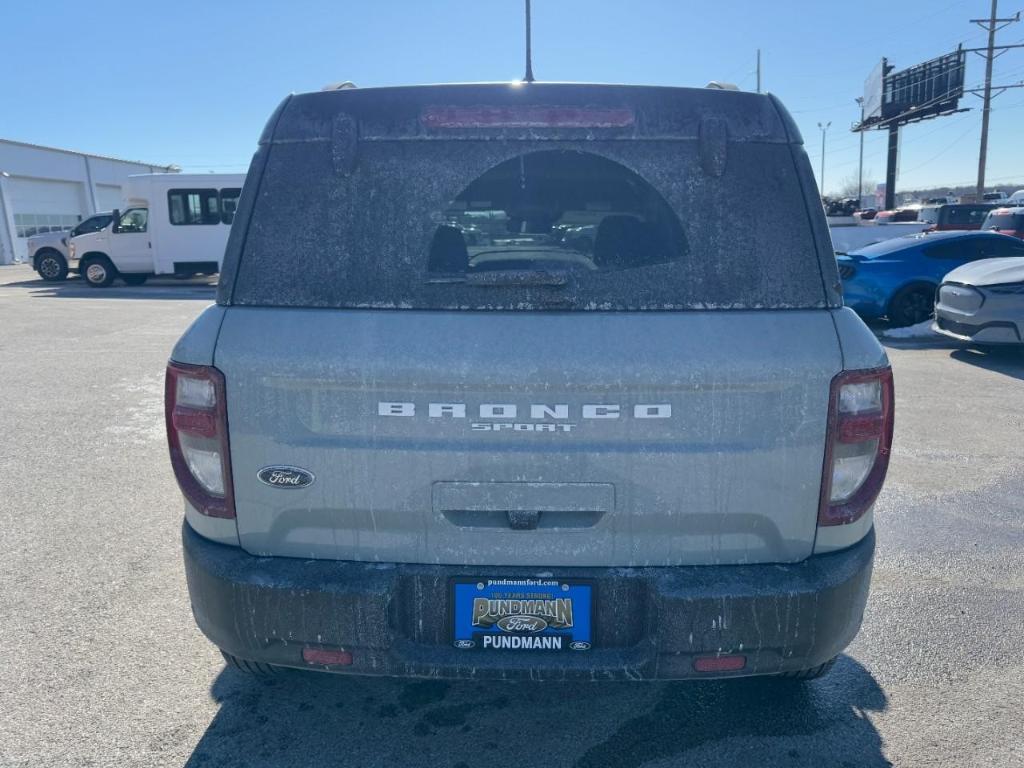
[(732, 476)]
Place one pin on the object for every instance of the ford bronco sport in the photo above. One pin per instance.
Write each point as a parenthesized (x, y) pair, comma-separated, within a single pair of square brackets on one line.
[(494, 388)]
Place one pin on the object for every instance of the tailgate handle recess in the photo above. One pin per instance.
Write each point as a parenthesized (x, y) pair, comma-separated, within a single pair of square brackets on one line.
[(523, 519)]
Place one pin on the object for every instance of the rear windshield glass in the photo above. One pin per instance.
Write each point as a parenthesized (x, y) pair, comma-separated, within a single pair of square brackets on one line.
[(966, 215), (521, 225), (548, 213), (1012, 222)]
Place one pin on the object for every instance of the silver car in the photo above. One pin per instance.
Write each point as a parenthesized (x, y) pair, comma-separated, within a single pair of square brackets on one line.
[(983, 302)]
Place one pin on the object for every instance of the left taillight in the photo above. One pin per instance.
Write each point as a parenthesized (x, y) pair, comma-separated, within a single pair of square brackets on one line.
[(195, 407), (858, 444)]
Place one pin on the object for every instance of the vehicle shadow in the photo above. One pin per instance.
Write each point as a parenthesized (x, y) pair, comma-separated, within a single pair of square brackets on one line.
[(203, 288), (1008, 361), (305, 719)]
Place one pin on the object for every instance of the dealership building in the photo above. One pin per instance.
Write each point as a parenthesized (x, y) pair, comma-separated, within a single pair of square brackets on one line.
[(44, 189)]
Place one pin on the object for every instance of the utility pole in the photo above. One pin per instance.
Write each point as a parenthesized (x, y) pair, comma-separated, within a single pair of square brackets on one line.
[(528, 77), (823, 128), (758, 70), (991, 25), (860, 167)]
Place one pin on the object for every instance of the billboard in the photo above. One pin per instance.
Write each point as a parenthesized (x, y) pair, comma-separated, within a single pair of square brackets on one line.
[(873, 92), (924, 90)]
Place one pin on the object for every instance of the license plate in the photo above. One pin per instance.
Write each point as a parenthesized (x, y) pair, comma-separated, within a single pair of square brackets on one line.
[(521, 615)]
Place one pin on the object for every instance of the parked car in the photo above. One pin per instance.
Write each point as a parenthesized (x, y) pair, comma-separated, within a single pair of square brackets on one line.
[(654, 459), (983, 302), (964, 216), (895, 215), (897, 278), (48, 252), (995, 197), (172, 224), (1008, 221), (866, 214)]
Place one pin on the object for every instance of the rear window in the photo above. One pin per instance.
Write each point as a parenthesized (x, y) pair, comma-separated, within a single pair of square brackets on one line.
[(526, 224), (1011, 222), (554, 216), (966, 215)]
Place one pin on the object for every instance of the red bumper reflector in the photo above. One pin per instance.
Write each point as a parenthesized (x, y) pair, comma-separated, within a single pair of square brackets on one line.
[(719, 663), (325, 656)]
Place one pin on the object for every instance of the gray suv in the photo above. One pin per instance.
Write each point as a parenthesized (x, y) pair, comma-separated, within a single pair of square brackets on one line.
[(429, 430)]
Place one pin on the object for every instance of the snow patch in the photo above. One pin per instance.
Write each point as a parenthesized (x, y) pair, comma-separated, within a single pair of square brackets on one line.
[(920, 331)]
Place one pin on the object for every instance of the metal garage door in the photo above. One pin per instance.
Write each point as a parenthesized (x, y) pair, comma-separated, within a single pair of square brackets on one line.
[(108, 197), (42, 206)]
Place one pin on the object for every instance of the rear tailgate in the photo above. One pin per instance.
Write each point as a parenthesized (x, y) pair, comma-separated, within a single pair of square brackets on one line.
[(623, 439)]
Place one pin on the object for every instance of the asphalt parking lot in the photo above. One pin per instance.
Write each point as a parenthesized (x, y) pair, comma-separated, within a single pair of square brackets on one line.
[(101, 663)]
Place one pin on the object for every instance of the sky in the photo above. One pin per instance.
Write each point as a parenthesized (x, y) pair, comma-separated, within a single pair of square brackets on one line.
[(192, 83)]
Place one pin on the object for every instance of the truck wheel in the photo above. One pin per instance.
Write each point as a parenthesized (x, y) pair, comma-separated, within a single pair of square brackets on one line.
[(134, 279), (810, 674), (98, 272), (912, 305), (257, 668), (51, 266)]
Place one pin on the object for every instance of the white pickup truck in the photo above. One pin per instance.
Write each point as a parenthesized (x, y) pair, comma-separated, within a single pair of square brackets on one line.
[(48, 252)]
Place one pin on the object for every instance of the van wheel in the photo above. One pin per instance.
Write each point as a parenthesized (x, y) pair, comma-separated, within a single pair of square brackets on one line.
[(51, 267), (98, 272), (257, 668), (810, 674), (912, 305), (134, 279)]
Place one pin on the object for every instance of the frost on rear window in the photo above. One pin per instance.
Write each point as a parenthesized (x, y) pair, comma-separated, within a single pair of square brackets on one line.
[(523, 225)]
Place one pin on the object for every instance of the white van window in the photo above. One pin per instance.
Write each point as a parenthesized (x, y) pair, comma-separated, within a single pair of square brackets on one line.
[(193, 206), (133, 220), (228, 204)]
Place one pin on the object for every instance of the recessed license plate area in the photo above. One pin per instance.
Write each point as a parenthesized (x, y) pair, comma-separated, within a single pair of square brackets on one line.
[(530, 614)]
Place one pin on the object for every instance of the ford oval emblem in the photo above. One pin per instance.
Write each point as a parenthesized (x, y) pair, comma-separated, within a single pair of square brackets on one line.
[(464, 643), (522, 624), (579, 645), (286, 477)]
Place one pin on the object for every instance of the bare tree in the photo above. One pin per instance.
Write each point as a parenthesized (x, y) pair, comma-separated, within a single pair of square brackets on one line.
[(849, 186)]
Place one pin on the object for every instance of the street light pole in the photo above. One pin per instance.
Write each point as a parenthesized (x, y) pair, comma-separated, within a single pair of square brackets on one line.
[(823, 128), (860, 168)]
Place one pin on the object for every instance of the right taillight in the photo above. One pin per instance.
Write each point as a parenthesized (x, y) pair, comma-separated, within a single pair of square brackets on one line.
[(859, 440), (197, 433)]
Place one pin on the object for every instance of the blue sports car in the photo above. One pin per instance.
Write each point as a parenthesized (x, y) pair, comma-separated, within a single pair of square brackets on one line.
[(897, 278)]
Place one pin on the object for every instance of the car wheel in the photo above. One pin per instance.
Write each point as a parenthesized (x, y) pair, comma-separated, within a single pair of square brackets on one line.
[(912, 305), (257, 668), (52, 267), (810, 674), (134, 279), (98, 272)]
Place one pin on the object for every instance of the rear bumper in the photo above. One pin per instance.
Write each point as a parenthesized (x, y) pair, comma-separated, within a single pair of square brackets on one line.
[(649, 623)]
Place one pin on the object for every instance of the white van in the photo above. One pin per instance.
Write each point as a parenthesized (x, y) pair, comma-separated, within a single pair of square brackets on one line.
[(172, 224)]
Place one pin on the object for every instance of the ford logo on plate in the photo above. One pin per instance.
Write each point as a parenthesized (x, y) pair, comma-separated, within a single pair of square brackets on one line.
[(463, 643), (522, 624), (285, 477)]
